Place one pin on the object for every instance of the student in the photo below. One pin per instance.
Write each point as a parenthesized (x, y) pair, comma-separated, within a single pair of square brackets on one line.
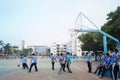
[(116, 64), (52, 57), (62, 62), (107, 65), (102, 63), (33, 63), (24, 62), (118, 73), (89, 62), (65, 59), (68, 62), (113, 56)]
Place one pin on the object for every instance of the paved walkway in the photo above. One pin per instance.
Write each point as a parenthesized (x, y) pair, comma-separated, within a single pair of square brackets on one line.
[(10, 71)]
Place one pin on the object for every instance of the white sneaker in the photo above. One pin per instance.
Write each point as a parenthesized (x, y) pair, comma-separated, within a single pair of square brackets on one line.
[(100, 76)]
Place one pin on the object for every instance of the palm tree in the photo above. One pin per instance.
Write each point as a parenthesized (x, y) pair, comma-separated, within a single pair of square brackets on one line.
[(15, 49), (8, 48), (1, 46)]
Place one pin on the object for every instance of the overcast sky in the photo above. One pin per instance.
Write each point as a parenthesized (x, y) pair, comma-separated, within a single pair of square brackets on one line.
[(42, 22)]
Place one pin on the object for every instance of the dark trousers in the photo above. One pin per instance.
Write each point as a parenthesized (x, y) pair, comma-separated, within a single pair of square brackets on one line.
[(35, 65), (103, 69), (115, 71), (53, 63), (89, 67), (25, 66), (64, 65), (68, 67), (98, 69), (61, 68)]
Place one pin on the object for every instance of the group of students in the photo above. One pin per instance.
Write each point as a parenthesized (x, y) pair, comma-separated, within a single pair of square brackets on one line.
[(33, 62), (110, 61), (64, 60)]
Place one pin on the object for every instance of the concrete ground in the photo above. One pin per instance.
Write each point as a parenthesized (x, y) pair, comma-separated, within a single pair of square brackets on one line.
[(10, 71)]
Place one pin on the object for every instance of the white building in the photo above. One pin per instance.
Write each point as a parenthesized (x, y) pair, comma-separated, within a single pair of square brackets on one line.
[(74, 46), (57, 48)]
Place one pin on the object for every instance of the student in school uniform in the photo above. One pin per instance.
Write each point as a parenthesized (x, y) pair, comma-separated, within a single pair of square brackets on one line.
[(89, 61), (107, 65), (102, 63), (24, 62), (116, 64), (118, 73), (52, 57), (33, 62), (68, 62), (62, 62), (65, 60)]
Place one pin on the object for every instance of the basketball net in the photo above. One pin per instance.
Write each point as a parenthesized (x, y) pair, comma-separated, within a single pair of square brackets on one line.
[(73, 32)]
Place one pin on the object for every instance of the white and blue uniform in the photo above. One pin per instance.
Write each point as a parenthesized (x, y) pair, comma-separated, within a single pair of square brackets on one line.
[(89, 57), (53, 61), (24, 62), (61, 60), (34, 63), (34, 59)]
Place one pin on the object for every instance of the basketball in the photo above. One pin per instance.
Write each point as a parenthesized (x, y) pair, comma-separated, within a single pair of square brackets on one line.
[(18, 65)]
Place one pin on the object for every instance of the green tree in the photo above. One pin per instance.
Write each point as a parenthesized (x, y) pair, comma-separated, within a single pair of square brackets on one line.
[(15, 49), (112, 26), (26, 51), (1, 46), (90, 41), (8, 48)]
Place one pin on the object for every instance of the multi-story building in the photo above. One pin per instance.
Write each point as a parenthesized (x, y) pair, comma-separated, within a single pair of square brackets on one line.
[(74, 46), (39, 49), (57, 48)]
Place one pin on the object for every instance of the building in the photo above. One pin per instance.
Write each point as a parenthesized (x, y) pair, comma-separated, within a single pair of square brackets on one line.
[(57, 48), (74, 46), (39, 49), (22, 45)]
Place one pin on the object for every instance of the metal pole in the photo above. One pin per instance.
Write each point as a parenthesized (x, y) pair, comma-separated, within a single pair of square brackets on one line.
[(105, 44), (118, 47)]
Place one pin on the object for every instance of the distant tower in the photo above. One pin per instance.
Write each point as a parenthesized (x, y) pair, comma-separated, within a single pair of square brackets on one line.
[(22, 45)]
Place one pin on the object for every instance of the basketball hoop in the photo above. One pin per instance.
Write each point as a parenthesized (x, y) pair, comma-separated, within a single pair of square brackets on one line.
[(73, 31)]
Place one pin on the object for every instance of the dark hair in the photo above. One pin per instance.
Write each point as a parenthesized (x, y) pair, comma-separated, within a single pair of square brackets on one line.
[(24, 55), (111, 49), (107, 54), (101, 52), (33, 54), (51, 53), (88, 51), (61, 54), (116, 50), (68, 53)]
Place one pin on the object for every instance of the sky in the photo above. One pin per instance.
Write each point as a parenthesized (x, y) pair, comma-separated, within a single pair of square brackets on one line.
[(42, 22)]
